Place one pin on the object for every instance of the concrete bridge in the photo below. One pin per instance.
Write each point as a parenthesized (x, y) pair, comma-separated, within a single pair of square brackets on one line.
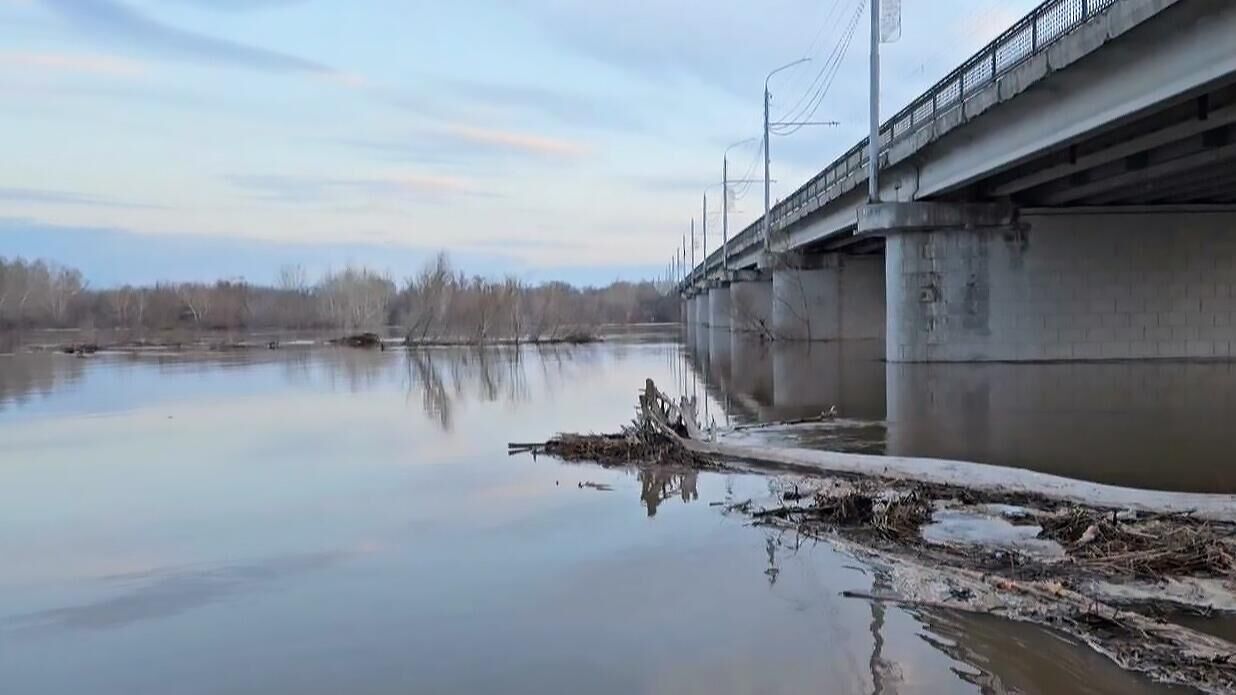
[(1068, 193)]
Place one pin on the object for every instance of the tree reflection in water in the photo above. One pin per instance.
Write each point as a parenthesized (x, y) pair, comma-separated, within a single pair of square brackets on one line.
[(660, 484), (23, 376), (443, 377)]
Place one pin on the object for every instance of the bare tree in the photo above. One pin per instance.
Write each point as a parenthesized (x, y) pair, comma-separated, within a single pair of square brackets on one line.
[(439, 303), (63, 286), (356, 297)]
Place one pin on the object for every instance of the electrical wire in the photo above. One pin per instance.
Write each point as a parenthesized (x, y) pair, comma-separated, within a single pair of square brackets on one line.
[(827, 22), (833, 67), (811, 89)]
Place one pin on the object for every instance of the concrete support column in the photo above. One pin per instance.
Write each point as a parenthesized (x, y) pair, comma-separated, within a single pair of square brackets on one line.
[(719, 307), (1073, 286), (751, 304), (829, 297), (702, 309)]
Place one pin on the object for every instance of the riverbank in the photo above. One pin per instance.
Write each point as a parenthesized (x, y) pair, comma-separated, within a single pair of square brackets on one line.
[(86, 342), (1113, 566)]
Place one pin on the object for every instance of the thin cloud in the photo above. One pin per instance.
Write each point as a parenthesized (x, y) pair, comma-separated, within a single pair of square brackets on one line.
[(522, 99), (526, 143), (302, 190), (465, 147), (113, 21), (525, 242), (81, 63), (49, 197), (241, 5)]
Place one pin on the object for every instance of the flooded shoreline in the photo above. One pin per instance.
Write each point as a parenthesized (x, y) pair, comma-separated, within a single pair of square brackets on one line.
[(347, 520)]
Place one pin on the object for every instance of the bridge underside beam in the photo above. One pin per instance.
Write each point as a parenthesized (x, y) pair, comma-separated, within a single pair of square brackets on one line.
[(1156, 158)]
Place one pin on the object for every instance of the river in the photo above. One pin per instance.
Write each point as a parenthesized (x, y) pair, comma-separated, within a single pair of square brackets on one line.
[(334, 520)]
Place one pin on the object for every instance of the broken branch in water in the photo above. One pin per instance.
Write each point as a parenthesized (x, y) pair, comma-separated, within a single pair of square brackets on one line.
[(1111, 539), (826, 416)]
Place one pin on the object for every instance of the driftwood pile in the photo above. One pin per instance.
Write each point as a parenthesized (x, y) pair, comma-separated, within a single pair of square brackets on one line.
[(1122, 550), (653, 437), (1148, 548)]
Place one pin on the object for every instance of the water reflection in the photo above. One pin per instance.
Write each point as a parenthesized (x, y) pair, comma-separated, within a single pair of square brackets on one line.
[(166, 592), (992, 654), (1144, 424), (491, 576), (658, 484), (885, 674), (1029, 659), (24, 376), (440, 378)]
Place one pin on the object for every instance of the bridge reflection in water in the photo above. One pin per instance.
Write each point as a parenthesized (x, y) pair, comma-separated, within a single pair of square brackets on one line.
[(1163, 425)]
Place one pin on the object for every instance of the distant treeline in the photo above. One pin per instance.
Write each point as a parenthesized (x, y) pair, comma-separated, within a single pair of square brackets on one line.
[(438, 303)]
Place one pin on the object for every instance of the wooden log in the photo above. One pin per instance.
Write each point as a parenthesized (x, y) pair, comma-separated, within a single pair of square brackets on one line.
[(962, 474)]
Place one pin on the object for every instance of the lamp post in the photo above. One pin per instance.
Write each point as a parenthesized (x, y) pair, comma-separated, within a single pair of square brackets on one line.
[(693, 249), (767, 156), (725, 203), (873, 138), (704, 226)]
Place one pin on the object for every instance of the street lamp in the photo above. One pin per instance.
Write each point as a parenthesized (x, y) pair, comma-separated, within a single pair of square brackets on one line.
[(767, 157), (725, 202)]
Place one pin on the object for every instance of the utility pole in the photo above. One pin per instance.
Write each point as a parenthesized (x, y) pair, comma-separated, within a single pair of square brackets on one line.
[(704, 224), (767, 156), (873, 140), (725, 213), (725, 201), (693, 248), (767, 165)]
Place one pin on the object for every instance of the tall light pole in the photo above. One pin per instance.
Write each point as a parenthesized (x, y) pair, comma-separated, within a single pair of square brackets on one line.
[(704, 226), (767, 156), (725, 203), (692, 248), (873, 138)]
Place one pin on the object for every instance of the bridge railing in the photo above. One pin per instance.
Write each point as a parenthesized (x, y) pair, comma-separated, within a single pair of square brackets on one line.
[(1031, 35)]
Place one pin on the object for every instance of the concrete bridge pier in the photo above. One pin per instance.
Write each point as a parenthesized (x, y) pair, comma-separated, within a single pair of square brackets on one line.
[(697, 308), (751, 302), (1065, 285), (831, 296), (719, 309)]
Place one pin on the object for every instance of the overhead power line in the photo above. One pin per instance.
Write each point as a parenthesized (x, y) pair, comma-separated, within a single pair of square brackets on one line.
[(829, 73)]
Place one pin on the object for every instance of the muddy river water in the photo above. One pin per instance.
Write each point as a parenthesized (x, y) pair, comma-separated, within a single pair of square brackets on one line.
[(343, 521)]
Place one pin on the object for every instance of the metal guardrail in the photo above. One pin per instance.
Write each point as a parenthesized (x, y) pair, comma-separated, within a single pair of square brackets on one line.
[(1031, 35)]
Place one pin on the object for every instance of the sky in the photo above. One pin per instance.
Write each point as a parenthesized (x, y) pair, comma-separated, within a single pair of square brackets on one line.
[(571, 140)]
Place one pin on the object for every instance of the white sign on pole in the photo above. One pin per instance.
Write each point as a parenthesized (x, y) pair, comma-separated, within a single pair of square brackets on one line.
[(890, 20)]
